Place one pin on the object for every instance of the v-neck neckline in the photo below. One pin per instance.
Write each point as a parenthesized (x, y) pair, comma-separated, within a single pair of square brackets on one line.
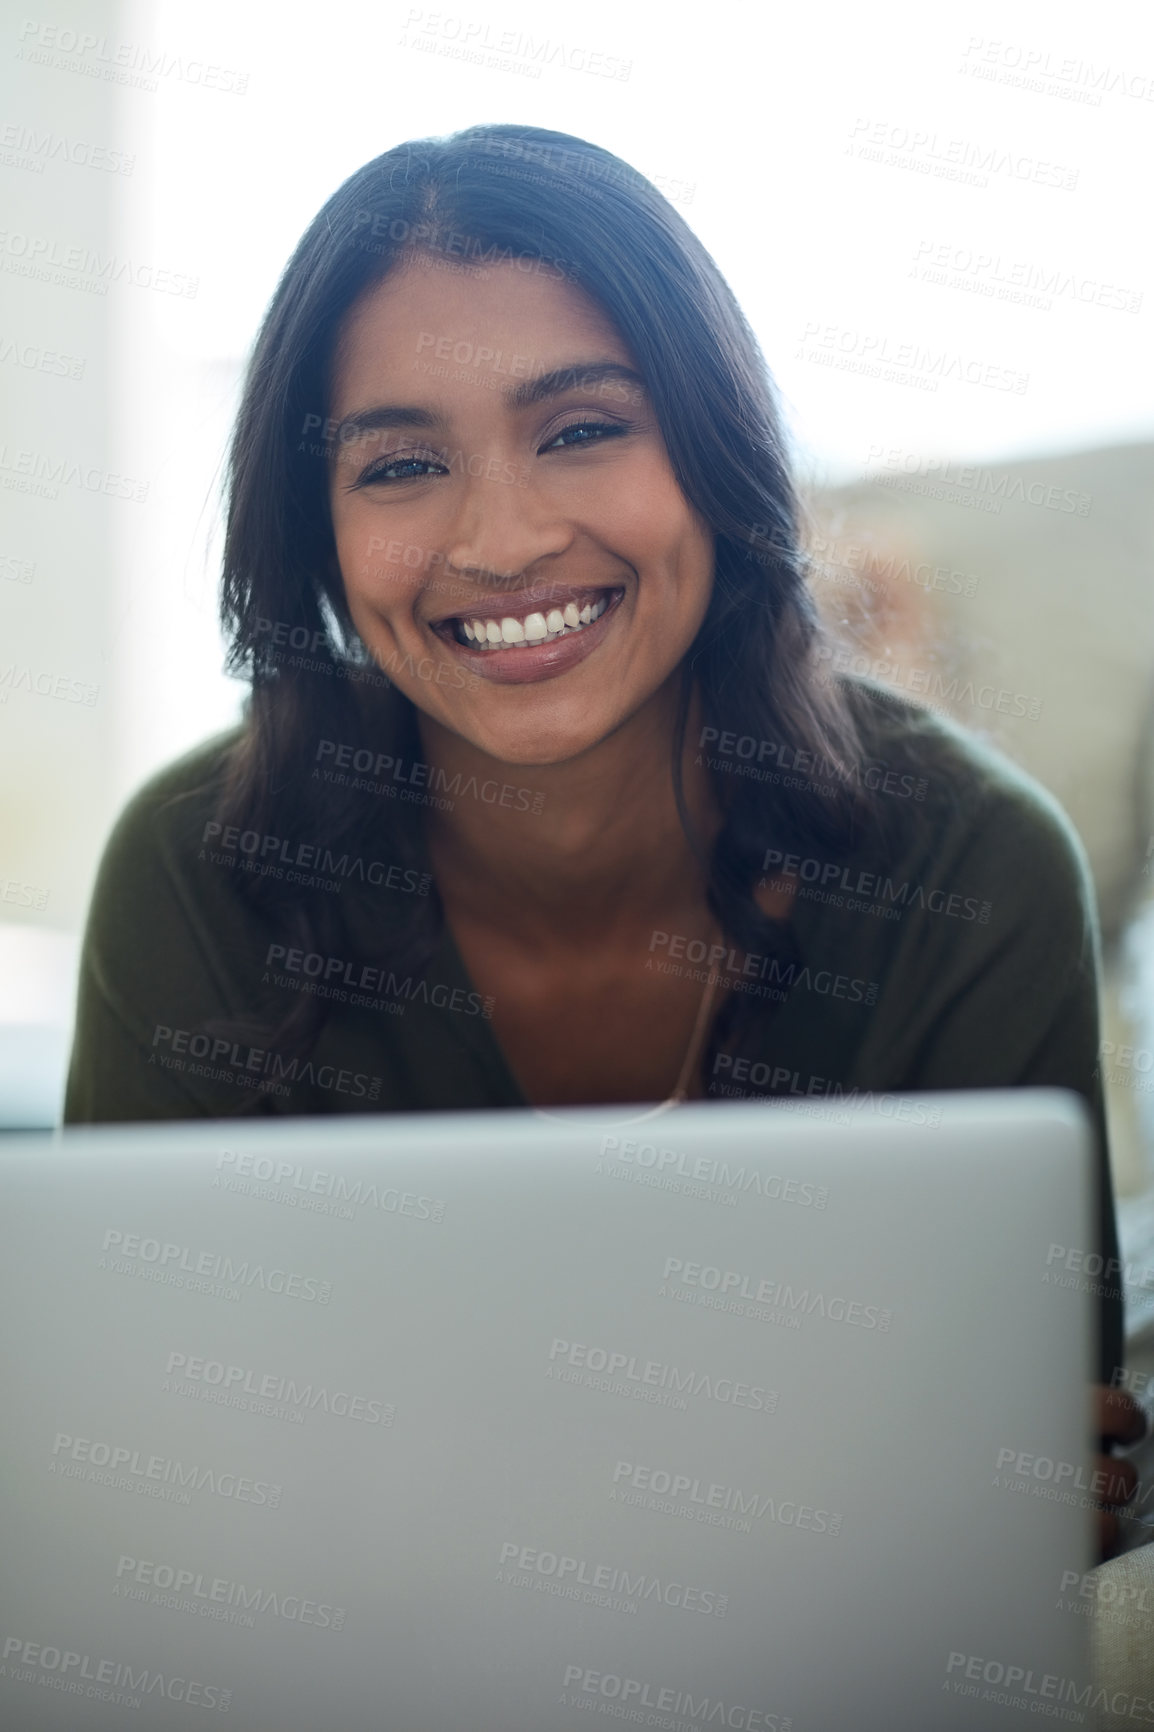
[(479, 1035)]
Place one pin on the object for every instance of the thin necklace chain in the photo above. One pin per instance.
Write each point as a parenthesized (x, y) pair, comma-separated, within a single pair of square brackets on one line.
[(689, 1064)]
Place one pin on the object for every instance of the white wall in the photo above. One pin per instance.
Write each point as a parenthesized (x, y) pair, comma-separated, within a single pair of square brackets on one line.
[(760, 123), (59, 627)]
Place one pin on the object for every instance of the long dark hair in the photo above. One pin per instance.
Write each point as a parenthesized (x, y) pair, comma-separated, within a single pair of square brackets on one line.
[(552, 203)]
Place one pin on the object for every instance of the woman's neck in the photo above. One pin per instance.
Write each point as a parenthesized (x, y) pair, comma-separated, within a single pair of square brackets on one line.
[(606, 852)]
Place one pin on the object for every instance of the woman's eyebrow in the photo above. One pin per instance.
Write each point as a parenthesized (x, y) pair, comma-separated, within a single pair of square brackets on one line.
[(575, 376), (384, 415)]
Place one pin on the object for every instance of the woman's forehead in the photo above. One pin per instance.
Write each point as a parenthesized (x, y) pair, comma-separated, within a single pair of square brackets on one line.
[(423, 312)]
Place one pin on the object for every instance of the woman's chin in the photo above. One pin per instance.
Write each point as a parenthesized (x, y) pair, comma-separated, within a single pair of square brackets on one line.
[(527, 750)]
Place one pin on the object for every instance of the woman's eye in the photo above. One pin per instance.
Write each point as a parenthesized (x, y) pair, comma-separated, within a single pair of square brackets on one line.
[(592, 433), (416, 468), (400, 469)]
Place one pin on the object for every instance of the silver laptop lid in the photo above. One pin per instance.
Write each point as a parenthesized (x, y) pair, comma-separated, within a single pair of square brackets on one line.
[(740, 1417)]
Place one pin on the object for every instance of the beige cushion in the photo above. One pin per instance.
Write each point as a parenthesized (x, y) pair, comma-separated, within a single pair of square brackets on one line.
[(1062, 610), (1122, 1637)]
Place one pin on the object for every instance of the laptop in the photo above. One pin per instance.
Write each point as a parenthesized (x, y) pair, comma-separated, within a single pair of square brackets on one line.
[(743, 1416)]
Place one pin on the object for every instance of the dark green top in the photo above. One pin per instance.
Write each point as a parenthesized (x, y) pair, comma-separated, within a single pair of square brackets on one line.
[(987, 978)]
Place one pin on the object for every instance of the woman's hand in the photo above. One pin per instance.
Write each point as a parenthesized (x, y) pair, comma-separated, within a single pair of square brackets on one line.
[(1120, 1420)]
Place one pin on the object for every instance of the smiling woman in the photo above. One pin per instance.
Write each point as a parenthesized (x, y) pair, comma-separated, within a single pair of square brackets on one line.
[(544, 793), (592, 547)]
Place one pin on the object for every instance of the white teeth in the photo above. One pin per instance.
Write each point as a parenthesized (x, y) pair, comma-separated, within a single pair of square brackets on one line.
[(535, 628)]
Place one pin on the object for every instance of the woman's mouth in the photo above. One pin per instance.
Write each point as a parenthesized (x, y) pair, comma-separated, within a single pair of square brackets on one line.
[(535, 643), (523, 630)]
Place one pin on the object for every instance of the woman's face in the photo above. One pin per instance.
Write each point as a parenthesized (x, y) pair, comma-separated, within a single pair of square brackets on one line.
[(498, 473)]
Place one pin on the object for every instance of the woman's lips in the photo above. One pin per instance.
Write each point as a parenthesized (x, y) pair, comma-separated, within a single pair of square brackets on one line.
[(521, 604), (527, 662)]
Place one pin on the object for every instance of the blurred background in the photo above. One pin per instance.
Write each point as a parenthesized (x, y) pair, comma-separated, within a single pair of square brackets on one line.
[(931, 223)]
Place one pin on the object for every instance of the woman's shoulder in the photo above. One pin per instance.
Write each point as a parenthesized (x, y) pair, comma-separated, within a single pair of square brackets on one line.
[(942, 790), (197, 773), (170, 810)]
